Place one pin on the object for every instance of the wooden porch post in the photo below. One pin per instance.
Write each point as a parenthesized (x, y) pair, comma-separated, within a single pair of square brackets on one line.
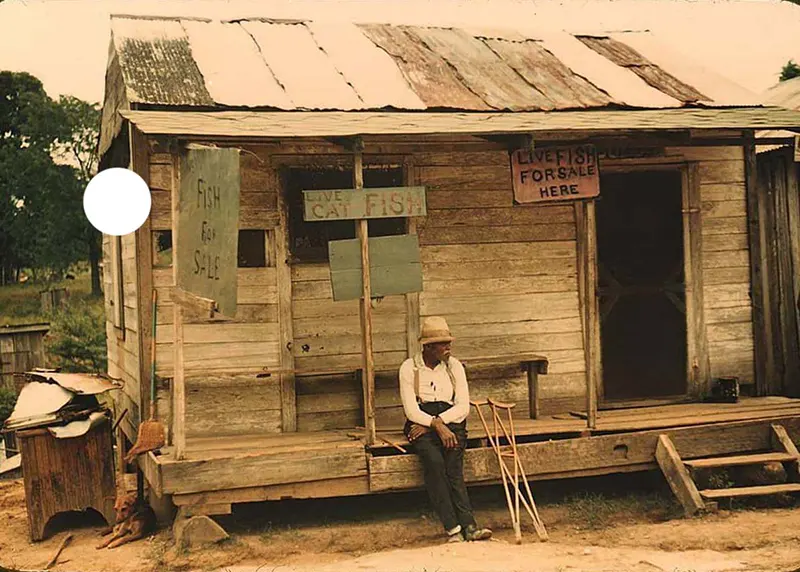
[(759, 272), (178, 389), (362, 231), (587, 286)]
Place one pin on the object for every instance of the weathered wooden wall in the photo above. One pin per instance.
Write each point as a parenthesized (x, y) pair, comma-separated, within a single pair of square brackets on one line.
[(21, 350), (505, 278), (222, 358), (725, 254), (123, 343), (778, 176)]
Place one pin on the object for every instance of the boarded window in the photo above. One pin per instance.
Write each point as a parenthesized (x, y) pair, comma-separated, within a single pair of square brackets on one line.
[(162, 248), (309, 240), (252, 249)]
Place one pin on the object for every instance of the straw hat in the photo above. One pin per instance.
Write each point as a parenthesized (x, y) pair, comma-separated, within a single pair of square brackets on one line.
[(435, 329)]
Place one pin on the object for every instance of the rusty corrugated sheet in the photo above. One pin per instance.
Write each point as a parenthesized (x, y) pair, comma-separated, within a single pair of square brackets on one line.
[(626, 57), (430, 76), (369, 69), (157, 64), (546, 73), (623, 86), (303, 70), (235, 75), (720, 89), (302, 65), (482, 71)]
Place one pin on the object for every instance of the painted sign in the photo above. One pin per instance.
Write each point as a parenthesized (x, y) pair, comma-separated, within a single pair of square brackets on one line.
[(208, 225), (394, 266), (349, 204), (555, 174)]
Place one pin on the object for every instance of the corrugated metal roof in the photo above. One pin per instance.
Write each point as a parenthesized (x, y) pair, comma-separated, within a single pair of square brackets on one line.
[(306, 65), (336, 123)]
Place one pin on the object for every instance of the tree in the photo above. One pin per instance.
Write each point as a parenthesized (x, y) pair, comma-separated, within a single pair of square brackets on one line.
[(789, 71), (78, 144), (47, 157)]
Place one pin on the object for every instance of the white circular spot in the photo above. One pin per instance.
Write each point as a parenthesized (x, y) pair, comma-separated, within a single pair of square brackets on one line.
[(117, 201)]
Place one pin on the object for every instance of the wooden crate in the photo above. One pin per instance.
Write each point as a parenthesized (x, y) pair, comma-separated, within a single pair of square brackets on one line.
[(63, 475)]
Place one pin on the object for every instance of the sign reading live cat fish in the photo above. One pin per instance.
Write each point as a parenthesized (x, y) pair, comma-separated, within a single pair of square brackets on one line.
[(555, 174), (349, 204)]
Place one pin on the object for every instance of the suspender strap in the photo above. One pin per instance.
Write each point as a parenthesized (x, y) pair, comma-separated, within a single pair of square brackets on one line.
[(419, 364)]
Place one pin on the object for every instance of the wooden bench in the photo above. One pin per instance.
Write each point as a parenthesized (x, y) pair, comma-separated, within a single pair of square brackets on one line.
[(532, 364)]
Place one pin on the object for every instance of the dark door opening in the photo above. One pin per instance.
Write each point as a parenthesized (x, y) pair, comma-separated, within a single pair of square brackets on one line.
[(641, 285)]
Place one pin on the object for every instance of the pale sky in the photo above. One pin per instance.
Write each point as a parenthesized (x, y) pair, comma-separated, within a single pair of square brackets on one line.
[(65, 42)]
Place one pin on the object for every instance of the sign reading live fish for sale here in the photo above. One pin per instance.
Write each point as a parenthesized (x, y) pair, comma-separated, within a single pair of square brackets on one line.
[(555, 174)]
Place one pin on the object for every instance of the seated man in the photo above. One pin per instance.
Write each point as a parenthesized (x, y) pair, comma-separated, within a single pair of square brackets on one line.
[(433, 388)]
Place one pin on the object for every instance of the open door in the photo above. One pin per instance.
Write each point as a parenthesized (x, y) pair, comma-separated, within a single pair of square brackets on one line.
[(641, 285)]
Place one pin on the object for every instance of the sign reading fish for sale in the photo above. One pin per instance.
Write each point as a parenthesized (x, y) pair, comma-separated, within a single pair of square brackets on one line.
[(555, 174)]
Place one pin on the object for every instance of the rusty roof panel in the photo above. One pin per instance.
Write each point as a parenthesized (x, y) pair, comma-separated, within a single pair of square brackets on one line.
[(157, 64), (366, 67), (617, 52), (622, 85), (546, 73), (236, 75), (720, 89), (430, 76), (330, 65), (482, 71), (626, 57), (303, 70)]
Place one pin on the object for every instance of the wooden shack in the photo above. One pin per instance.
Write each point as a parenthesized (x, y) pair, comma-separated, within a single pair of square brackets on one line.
[(635, 300), (21, 350)]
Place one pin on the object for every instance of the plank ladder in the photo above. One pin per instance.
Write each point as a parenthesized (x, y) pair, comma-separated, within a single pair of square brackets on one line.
[(679, 472)]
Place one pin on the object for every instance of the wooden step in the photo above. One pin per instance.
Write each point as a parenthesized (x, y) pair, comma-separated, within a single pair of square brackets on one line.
[(750, 491), (740, 460)]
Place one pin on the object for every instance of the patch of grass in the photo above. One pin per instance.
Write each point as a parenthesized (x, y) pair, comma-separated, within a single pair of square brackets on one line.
[(21, 303), (592, 510)]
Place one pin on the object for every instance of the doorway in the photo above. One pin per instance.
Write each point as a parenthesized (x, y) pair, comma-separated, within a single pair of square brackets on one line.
[(641, 285)]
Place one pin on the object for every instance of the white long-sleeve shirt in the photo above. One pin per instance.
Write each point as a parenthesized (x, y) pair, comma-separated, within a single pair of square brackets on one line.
[(434, 385)]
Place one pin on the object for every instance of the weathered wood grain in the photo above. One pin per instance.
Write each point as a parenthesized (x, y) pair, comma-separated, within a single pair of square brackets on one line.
[(678, 477), (53, 470), (482, 70), (431, 78)]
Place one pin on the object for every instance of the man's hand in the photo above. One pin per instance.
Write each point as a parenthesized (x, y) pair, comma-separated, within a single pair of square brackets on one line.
[(449, 439), (416, 432)]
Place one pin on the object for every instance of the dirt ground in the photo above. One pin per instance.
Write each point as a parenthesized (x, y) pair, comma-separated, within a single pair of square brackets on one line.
[(592, 527)]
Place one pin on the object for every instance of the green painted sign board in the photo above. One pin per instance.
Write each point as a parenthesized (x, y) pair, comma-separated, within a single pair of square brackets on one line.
[(394, 266), (350, 204), (208, 225)]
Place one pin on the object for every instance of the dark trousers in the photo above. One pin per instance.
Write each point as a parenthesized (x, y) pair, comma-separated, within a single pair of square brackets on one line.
[(444, 471)]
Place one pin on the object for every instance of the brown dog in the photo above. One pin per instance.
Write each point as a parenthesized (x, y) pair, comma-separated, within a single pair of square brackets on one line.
[(134, 521)]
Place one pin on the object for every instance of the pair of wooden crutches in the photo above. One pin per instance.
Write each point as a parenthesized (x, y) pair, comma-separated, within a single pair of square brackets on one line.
[(505, 472)]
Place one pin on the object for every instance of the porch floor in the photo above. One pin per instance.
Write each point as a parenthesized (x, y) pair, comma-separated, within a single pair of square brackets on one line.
[(246, 468)]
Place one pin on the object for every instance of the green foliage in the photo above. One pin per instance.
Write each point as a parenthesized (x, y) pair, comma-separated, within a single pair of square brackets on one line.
[(47, 156), (7, 401), (790, 70), (77, 338)]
